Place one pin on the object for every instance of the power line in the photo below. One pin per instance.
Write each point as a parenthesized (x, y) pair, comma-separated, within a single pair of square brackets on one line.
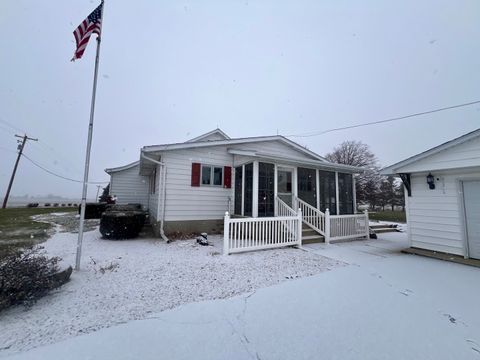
[(12, 126), (384, 121), (61, 176)]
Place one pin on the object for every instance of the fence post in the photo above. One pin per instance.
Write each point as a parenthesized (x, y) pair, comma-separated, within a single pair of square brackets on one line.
[(327, 226), (299, 225), (367, 224), (226, 233)]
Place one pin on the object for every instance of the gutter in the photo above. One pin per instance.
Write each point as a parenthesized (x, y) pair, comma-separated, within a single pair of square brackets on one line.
[(162, 192)]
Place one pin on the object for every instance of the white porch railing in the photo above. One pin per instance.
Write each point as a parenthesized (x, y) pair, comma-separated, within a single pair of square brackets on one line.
[(348, 226), (282, 209), (248, 234), (334, 227), (312, 216)]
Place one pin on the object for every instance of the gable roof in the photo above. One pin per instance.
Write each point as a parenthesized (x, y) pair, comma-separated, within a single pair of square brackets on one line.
[(188, 145), (392, 169), (121, 168), (217, 131)]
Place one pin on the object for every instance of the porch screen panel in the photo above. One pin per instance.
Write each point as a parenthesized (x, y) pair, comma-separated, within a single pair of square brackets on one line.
[(238, 190), (345, 193), (248, 200), (327, 192), (307, 188), (266, 191)]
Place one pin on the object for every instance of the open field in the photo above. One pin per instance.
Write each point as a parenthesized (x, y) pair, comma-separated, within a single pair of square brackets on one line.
[(18, 229), (394, 216)]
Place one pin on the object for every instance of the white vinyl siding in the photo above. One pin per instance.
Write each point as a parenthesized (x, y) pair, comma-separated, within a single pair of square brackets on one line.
[(274, 148), (186, 202), (211, 137), (130, 187), (461, 156), (153, 197), (435, 216)]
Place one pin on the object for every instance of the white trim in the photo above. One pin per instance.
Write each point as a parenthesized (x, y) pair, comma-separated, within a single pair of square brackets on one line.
[(407, 214), (304, 162), (463, 211), (212, 170), (463, 217), (275, 188), (354, 195), (392, 169), (121, 168), (318, 188), (337, 194), (243, 189), (255, 190)]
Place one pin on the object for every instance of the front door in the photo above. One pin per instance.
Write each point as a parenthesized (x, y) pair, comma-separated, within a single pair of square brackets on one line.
[(284, 185), (471, 194)]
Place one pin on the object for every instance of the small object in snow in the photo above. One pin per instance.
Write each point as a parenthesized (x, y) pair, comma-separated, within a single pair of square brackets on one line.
[(202, 239)]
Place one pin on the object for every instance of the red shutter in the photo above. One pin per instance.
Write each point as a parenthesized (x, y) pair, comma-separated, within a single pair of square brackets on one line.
[(195, 174), (227, 177)]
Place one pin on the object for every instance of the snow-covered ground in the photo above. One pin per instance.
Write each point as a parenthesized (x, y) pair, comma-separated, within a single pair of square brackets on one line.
[(134, 279), (384, 305)]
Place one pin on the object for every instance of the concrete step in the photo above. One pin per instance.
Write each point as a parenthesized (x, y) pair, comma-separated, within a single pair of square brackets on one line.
[(383, 226), (311, 239), (385, 230)]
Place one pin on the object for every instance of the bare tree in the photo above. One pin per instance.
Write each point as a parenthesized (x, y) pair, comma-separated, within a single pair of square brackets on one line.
[(368, 183)]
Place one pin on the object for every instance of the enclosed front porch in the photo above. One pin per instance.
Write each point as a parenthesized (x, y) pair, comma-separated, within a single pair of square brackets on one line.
[(283, 203)]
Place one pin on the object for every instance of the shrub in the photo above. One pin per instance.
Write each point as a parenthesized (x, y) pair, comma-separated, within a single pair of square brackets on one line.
[(27, 275)]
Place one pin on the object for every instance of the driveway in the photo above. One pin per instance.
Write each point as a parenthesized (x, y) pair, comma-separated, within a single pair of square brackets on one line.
[(383, 305)]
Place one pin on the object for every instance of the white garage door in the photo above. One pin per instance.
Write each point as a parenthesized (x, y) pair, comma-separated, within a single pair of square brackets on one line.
[(471, 193)]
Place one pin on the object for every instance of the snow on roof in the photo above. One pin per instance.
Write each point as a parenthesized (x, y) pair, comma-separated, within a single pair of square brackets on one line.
[(121, 168), (447, 145)]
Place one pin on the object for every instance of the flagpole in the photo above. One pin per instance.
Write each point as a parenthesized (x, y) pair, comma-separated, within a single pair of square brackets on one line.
[(87, 158)]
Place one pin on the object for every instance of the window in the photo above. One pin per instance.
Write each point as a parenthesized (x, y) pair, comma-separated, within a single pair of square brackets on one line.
[(345, 188), (327, 192), (238, 189), (206, 175), (217, 176), (212, 175), (266, 180), (307, 185)]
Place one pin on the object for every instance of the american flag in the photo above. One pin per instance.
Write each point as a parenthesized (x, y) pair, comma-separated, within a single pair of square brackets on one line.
[(91, 25)]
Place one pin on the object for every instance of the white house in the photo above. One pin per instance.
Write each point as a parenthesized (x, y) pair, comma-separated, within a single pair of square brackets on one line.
[(189, 186), (443, 196)]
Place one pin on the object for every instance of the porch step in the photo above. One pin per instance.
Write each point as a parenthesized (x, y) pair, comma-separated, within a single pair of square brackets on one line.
[(312, 239), (385, 230), (383, 226)]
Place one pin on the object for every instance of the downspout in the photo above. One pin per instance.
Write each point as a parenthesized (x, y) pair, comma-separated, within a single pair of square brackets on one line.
[(162, 192)]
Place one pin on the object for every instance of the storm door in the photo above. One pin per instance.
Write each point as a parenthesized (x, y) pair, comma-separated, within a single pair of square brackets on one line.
[(284, 185)]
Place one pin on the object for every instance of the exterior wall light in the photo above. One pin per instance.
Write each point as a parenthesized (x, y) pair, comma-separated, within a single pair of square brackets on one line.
[(431, 181)]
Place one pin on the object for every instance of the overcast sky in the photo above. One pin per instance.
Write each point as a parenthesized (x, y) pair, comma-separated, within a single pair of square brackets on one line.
[(171, 70)]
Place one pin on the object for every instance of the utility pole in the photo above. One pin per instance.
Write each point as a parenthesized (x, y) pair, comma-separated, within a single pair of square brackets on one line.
[(20, 151)]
